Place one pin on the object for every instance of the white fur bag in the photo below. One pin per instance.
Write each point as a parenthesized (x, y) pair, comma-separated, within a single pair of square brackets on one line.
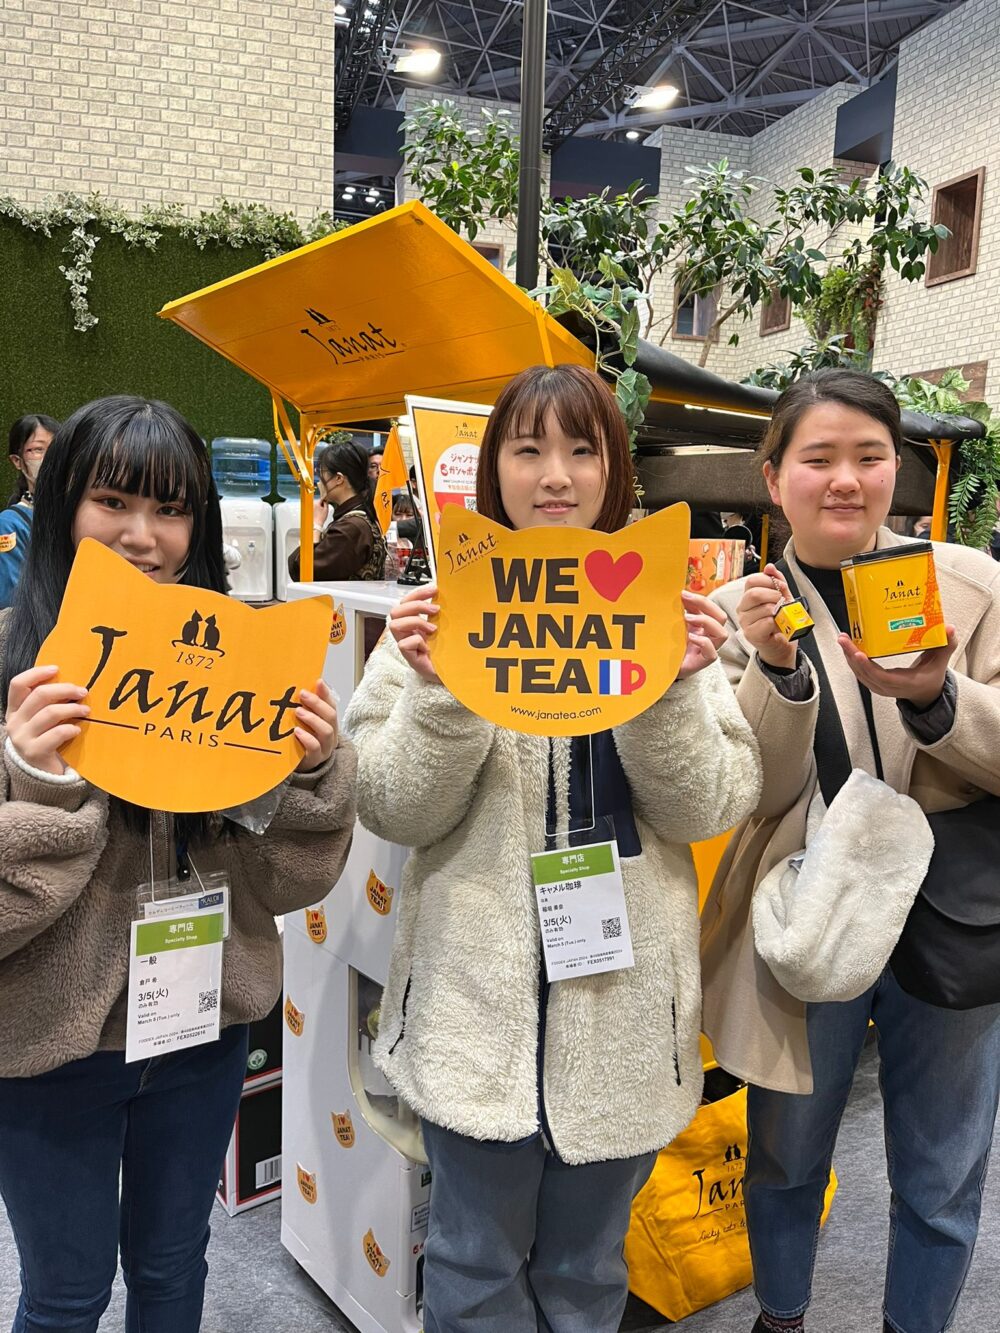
[(827, 920)]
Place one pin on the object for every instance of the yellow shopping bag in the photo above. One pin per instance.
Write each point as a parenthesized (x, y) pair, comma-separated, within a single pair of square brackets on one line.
[(687, 1246)]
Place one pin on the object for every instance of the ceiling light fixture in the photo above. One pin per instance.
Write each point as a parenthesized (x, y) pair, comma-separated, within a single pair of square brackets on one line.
[(422, 60), (655, 99), (633, 135)]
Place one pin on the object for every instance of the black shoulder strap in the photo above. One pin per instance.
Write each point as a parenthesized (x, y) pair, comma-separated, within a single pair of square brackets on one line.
[(833, 760)]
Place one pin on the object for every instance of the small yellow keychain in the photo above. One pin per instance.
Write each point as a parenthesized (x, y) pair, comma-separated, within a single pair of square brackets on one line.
[(792, 618)]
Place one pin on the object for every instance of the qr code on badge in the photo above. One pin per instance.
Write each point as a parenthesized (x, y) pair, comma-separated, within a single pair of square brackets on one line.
[(612, 928), (207, 1001)]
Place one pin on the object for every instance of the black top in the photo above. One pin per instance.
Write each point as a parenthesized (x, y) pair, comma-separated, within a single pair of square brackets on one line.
[(830, 585)]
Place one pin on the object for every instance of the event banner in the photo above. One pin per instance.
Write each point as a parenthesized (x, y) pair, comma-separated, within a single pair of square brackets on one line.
[(560, 631), (192, 695), (446, 440)]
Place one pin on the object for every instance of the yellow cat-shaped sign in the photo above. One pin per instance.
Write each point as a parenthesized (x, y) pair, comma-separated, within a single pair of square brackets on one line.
[(192, 695), (560, 631)]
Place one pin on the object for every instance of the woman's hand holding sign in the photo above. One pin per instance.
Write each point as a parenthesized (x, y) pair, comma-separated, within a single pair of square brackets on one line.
[(410, 627), (706, 627), (762, 595), (317, 728), (42, 715)]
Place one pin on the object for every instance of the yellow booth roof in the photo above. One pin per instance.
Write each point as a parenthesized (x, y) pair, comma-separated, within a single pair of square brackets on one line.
[(344, 327)]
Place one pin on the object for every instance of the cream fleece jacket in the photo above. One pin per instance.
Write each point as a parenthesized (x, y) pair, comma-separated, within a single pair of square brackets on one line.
[(459, 1025)]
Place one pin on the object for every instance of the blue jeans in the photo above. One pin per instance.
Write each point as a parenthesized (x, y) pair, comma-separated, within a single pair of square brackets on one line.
[(65, 1136), (518, 1240), (940, 1080)]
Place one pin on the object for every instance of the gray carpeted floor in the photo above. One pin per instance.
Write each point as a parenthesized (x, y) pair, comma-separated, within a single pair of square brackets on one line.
[(255, 1285)]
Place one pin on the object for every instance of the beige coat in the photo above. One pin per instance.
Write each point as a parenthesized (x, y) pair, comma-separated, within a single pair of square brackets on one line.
[(757, 1028)]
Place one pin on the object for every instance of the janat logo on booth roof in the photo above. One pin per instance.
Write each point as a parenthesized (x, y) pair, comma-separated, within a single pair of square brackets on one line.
[(368, 343), (560, 631), (175, 673)]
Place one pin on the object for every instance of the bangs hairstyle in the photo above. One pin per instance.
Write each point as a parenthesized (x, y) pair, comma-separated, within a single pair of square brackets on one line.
[(850, 388), (585, 408), (128, 444)]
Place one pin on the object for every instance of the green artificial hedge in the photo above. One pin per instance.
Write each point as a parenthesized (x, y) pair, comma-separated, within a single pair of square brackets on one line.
[(46, 366)]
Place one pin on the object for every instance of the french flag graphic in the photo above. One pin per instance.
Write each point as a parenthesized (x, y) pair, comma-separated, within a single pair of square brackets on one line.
[(620, 677)]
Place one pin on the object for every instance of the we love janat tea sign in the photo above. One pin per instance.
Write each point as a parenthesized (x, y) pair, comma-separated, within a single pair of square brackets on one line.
[(560, 631), (192, 695)]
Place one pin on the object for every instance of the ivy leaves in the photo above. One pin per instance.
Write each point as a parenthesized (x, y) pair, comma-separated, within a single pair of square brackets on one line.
[(86, 216)]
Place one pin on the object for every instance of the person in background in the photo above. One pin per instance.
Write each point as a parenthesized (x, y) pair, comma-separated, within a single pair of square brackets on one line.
[(374, 464), (30, 436), (351, 544), (922, 527)]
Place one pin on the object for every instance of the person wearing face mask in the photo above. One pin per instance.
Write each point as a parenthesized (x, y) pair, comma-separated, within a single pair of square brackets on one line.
[(30, 436), (543, 1105), (99, 1156), (929, 730), (348, 542)]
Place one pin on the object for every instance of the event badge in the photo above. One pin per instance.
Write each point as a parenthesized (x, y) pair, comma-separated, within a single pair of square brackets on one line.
[(174, 983), (581, 895)]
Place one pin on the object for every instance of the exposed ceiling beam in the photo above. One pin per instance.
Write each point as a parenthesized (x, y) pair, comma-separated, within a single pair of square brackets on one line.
[(728, 106)]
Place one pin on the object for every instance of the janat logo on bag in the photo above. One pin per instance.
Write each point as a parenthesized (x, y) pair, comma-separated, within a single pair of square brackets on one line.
[(192, 695), (295, 1018), (338, 626), (343, 1128), (379, 894), (307, 1183), (720, 1189), (560, 631), (374, 1254), (316, 924)]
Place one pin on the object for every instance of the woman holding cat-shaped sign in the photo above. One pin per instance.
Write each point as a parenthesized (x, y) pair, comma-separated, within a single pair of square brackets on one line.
[(74, 1117), (543, 1106)]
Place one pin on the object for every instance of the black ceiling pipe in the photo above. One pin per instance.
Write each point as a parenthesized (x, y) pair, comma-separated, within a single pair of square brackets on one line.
[(529, 185)]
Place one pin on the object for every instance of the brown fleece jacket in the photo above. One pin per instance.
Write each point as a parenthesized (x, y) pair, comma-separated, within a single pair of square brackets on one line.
[(69, 871)]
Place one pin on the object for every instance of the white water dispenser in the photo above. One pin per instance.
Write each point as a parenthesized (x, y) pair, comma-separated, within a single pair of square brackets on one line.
[(242, 472)]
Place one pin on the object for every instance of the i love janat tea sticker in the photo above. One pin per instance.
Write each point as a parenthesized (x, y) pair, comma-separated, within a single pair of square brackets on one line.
[(560, 631), (192, 695)]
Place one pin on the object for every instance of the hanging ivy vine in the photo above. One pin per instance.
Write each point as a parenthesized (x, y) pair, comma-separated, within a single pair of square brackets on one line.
[(84, 217)]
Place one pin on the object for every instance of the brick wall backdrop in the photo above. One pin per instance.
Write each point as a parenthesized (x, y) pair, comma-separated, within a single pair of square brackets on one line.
[(173, 100), (802, 139), (947, 124)]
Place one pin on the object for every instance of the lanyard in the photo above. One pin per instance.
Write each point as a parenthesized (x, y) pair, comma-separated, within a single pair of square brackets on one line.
[(185, 864)]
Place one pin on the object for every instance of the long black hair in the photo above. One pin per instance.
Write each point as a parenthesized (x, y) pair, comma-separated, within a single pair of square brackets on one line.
[(129, 444), (20, 433), (351, 460)]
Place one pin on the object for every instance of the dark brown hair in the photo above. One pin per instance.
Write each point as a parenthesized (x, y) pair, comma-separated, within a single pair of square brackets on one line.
[(851, 388), (586, 410)]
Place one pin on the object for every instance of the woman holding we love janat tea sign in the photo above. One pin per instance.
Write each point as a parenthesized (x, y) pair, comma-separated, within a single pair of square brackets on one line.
[(97, 1153), (543, 1105)]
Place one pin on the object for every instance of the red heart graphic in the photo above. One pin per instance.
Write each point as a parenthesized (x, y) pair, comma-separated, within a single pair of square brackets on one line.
[(611, 577)]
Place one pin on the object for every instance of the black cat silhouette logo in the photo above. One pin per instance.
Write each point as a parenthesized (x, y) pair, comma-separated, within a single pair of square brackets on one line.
[(210, 638)]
